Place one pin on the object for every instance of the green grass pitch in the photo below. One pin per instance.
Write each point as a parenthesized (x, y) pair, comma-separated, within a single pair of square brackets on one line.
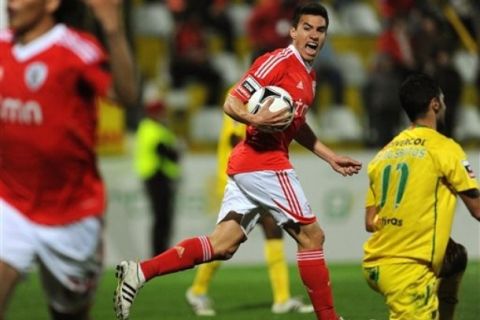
[(240, 293)]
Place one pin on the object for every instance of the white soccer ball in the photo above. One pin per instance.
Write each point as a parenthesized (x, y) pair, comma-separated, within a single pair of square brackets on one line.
[(282, 100)]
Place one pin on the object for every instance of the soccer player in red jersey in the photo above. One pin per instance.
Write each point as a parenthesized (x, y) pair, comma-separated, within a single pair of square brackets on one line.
[(261, 175), (51, 194)]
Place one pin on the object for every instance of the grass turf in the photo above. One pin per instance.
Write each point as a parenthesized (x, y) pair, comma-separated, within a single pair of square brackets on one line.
[(240, 293)]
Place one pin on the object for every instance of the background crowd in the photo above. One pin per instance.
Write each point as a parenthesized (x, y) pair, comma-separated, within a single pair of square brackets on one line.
[(195, 52)]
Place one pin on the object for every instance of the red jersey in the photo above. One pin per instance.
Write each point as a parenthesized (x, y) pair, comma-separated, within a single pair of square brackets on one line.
[(284, 68), (47, 125)]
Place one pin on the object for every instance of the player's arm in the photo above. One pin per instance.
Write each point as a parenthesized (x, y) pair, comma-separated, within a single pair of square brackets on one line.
[(371, 219), (237, 110), (125, 84), (471, 198), (341, 164)]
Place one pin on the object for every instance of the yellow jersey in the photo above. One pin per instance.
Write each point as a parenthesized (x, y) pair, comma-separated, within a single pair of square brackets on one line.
[(414, 183), (232, 132)]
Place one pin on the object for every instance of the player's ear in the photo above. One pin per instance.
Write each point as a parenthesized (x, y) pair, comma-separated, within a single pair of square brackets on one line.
[(293, 33), (52, 5), (435, 104)]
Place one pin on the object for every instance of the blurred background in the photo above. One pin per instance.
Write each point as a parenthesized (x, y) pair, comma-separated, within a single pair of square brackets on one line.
[(190, 52)]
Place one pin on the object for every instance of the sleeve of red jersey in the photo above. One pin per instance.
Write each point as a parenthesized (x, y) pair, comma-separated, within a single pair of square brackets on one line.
[(259, 75), (96, 71)]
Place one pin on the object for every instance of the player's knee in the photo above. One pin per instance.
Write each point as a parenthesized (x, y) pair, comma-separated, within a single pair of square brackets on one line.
[(225, 254), (455, 260), (313, 240), (224, 250)]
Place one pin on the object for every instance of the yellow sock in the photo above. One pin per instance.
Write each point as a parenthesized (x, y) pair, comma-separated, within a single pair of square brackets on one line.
[(203, 277), (277, 270)]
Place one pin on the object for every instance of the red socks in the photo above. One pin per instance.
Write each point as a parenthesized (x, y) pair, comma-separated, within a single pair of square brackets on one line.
[(314, 274), (184, 255)]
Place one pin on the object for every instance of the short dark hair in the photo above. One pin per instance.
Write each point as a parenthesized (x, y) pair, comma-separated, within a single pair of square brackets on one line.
[(309, 8), (415, 94)]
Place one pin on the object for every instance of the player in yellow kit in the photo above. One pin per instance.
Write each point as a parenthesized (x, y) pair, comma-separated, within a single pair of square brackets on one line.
[(232, 133), (410, 205)]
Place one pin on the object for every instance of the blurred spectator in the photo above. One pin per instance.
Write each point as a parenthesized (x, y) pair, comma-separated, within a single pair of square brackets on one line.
[(328, 72), (156, 163), (450, 81), (383, 107), (389, 9), (395, 43), (190, 58), (212, 13), (434, 43), (427, 35), (393, 61), (268, 26)]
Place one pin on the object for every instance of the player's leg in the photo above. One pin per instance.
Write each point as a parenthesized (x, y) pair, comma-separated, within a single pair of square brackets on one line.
[(70, 260), (408, 289), (454, 265), (221, 244), (312, 267), (278, 269), (9, 278), (282, 194), (17, 251), (276, 261)]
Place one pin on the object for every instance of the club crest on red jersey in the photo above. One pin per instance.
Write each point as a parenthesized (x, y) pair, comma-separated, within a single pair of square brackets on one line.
[(35, 75)]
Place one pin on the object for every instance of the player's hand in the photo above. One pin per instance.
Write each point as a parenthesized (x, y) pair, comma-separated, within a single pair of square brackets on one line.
[(345, 165), (265, 119), (108, 14)]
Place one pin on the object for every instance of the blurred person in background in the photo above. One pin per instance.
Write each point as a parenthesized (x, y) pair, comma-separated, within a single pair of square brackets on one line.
[(260, 174), (52, 197), (197, 295), (214, 14), (433, 44), (190, 57), (157, 157), (451, 83), (328, 72), (393, 60), (413, 186), (383, 107), (268, 25)]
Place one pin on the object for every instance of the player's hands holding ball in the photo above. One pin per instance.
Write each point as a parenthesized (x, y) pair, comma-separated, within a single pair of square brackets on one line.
[(273, 109), (272, 121)]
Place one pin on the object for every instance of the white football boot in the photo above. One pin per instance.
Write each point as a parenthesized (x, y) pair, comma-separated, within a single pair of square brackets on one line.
[(292, 305), (130, 280), (201, 304)]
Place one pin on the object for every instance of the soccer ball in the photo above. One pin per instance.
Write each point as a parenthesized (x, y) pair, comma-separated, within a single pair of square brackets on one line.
[(282, 100)]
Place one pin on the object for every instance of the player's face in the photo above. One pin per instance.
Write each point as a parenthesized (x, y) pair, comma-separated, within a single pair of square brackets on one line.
[(309, 36), (26, 15)]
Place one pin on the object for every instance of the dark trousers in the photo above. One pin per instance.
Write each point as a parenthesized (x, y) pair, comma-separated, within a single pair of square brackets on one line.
[(161, 194)]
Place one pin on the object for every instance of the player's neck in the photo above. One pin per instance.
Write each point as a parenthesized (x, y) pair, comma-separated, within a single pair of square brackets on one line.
[(32, 33), (426, 123)]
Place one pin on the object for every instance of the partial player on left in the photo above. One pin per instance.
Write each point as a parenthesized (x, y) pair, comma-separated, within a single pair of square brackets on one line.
[(52, 197)]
